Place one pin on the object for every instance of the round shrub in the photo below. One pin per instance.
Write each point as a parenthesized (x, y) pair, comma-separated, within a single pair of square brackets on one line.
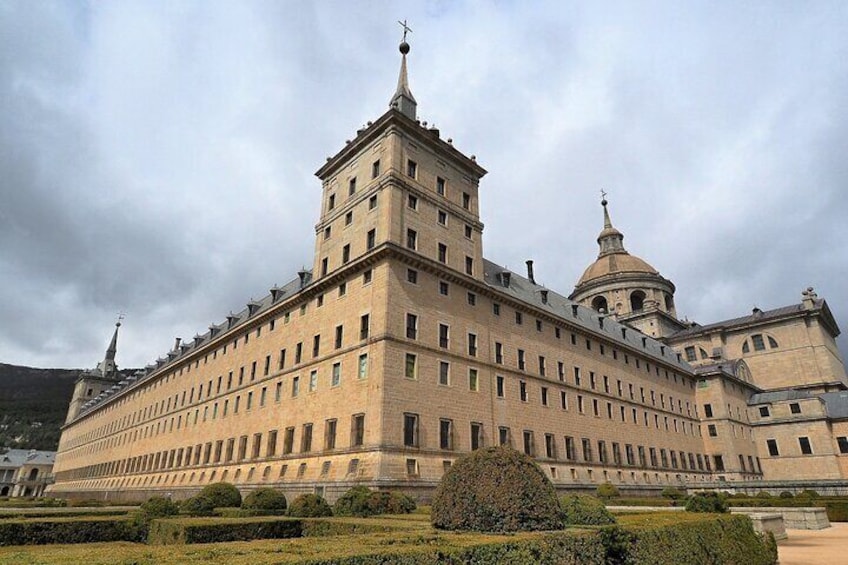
[(786, 494), (585, 510), (400, 503), (808, 494), (673, 493), (355, 502), (309, 506), (764, 494), (607, 490), (222, 495), (706, 502), (496, 489), (265, 499), (200, 505), (159, 507)]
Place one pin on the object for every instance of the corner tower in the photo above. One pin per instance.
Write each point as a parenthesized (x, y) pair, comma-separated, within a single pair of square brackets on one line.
[(95, 381), (399, 184), (626, 287)]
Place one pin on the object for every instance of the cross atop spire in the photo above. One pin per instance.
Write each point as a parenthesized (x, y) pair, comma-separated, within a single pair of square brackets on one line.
[(403, 100), (610, 239)]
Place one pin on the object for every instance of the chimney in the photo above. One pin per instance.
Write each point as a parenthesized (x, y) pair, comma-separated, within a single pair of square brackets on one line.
[(530, 271), (177, 343), (302, 274)]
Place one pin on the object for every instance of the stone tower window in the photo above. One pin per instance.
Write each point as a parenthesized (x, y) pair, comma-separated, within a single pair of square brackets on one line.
[(599, 304), (637, 300)]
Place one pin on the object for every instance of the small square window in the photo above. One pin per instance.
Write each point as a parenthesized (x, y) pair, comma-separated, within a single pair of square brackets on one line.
[(372, 202), (472, 299), (442, 217), (444, 288), (412, 202), (795, 408), (412, 276), (367, 276)]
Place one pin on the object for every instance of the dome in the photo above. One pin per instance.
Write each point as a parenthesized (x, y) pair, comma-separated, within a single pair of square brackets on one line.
[(615, 264)]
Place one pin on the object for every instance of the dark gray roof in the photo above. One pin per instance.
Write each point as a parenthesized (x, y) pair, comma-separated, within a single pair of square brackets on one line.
[(17, 457), (252, 309), (759, 317), (521, 289), (780, 396), (836, 404)]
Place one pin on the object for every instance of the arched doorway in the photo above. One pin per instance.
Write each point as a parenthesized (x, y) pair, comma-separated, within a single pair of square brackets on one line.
[(4, 491), (33, 474)]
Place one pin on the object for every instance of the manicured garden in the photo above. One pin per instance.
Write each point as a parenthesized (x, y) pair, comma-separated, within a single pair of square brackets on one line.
[(494, 506)]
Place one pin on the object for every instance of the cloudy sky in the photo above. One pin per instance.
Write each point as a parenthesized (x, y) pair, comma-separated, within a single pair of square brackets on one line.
[(157, 158)]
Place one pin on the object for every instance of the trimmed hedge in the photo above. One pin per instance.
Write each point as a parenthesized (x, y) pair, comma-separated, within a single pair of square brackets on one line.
[(706, 502), (213, 530), (222, 495), (68, 530), (496, 489), (720, 539), (836, 506), (363, 502), (607, 490), (268, 499)]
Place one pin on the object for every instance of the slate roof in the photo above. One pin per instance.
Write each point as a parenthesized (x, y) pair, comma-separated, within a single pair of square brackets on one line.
[(780, 396), (836, 404), (763, 316), (14, 458), (520, 288)]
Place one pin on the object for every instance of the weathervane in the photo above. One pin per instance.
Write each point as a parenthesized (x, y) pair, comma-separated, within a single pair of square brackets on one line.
[(406, 29), (121, 316), (603, 196)]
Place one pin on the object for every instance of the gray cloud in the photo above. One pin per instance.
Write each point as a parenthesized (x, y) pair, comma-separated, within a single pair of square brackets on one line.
[(157, 158)]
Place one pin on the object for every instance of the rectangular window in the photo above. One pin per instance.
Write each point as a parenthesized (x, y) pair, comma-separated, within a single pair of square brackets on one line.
[(563, 398), (772, 447), (443, 253), (504, 436), (472, 345), (339, 337), (288, 441), (375, 169), (257, 446), (411, 326), (351, 186), (372, 202), (466, 200), (499, 353), (476, 435), (336, 377), (349, 218), (410, 366), (522, 391), (367, 276), (440, 186), (570, 452), (412, 202), (295, 389), (444, 288), (364, 326), (444, 335), (410, 430), (346, 254), (529, 447), (500, 386), (542, 367), (795, 408), (363, 366), (711, 430), (519, 319), (357, 430), (411, 168), (316, 346), (371, 239), (496, 309), (587, 449), (473, 380), (306, 438), (468, 231), (469, 266), (544, 390), (804, 444), (444, 373), (764, 412), (842, 441), (242, 449), (298, 355), (550, 446), (412, 276), (445, 434), (330, 434), (442, 217), (521, 360), (313, 381), (412, 239), (472, 299)]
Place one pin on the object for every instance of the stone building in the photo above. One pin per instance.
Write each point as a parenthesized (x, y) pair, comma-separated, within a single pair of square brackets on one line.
[(771, 385), (403, 348), (25, 472)]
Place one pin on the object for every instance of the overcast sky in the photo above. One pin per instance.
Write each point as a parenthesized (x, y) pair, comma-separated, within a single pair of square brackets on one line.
[(157, 158)]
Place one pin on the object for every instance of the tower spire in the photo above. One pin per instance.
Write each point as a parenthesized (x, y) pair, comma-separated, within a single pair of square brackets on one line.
[(403, 100), (107, 367), (610, 239)]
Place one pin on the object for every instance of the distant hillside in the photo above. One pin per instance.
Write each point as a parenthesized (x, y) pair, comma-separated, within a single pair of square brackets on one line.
[(33, 405)]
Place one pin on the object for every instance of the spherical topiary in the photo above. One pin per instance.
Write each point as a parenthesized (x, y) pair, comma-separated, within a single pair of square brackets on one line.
[(222, 495), (159, 507), (399, 503), (496, 489), (764, 494), (585, 510), (809, 494), (265, 499), (200, 505), (607, 490), (355, 502), (706, 502), (309, 506), (786, 494)]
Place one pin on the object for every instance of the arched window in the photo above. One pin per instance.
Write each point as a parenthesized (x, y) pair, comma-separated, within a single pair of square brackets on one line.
[(669, 303), (703, 353), (599, 304), (637, 300), (758, 342)]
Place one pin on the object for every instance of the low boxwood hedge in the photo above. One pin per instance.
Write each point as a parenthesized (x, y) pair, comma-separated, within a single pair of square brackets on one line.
[(68, 530)]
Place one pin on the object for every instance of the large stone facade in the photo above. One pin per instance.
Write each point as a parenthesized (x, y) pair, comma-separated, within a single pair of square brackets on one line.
[(404, 348)]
